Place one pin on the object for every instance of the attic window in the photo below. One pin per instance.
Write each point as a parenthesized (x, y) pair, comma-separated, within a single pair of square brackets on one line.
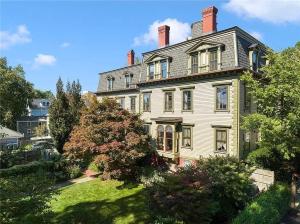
[(158, 67), (110, 83), (128, 80)]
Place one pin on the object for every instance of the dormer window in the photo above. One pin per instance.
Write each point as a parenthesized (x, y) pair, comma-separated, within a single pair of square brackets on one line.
[(128, 80), (254, 61), (256, 58), (158, 67), (110, 83), (151, 71), (204, 57)]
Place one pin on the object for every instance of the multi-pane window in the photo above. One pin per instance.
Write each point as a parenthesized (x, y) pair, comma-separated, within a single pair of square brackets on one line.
[(132, 103), (222, 98), (221, 140), (151, 71), (203, 61), (163, 67), (168, 101), (122, 102), (187, 100), (128, 80), (194, 63), (186, 136), (147, 128), (147, 102), (160, 137), (169, 138), (110, 83), (213, 59)]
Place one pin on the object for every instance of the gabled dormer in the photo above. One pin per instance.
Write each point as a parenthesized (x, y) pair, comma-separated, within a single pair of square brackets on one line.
[(205, 56), (158, 66)]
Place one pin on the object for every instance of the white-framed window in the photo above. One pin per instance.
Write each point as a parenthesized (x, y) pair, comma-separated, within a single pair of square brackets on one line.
[(186, 136), (128, 80), (194, 63), (222, 98), (169, 138), (133, 103), (158, 69), (151, 71), (221, 140), (122, 102), (146, 102), (147, 128), (169, 101), (160, 137), (187, 100), (110, 84), (29, 131), (213, 59)]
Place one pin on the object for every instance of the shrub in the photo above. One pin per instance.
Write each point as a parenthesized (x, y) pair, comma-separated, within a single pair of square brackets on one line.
[(268, 208), (94, 167), (28, 168), (25, 195), (230, 184), (73, 171), (184, 195)]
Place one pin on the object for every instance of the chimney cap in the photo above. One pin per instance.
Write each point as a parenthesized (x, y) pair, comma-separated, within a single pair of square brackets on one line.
[(210, 9), (163, 27)]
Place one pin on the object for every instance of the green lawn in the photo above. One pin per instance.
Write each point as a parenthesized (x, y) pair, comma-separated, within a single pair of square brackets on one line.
[(100, 202)]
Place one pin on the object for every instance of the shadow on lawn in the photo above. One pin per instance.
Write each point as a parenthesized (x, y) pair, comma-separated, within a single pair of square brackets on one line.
[(130, 209)]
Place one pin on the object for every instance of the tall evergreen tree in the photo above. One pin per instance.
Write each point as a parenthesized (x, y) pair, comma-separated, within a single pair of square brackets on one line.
[(60, 119), (64, 112)]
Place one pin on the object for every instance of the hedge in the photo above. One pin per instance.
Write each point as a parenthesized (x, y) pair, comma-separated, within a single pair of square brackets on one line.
[(27, 168), (267, 208)]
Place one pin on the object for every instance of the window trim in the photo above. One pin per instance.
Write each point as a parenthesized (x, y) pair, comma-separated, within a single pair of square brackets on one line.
[(228, 98), (120, 100), (133, 97), (157, 73), (165, 139), (192, 99), (227, 140), (191, 137), (149, 102), (158, 136), (165, 102), (130, 76), (110, 79)]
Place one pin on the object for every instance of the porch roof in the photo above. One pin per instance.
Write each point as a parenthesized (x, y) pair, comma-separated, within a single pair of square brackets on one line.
[(167, 119)]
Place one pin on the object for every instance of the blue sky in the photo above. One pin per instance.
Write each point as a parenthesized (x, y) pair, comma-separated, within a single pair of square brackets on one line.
[(79, 39)]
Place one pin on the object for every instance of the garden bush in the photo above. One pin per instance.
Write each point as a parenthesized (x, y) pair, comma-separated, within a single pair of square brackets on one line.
[(184, 195), (25, 195), (231, 185), (73, 171), (28, 168), (268, 208)]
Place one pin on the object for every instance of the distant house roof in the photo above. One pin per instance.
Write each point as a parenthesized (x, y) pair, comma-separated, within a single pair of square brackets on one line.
[(6, 133)]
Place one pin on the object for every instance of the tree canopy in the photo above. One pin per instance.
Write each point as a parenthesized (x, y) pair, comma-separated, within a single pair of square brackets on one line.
[(15, 92), (277, 94)]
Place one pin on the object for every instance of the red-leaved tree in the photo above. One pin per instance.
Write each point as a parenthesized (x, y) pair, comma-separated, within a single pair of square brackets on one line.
[(112, 137)]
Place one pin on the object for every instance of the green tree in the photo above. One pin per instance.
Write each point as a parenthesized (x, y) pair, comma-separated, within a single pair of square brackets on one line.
[(41, 130), (277, 94), (60, 120), (15, 93), (64, 112), (26, 197), (39, 94)]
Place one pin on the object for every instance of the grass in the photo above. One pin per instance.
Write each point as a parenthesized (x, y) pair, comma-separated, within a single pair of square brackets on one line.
[(100, 202)]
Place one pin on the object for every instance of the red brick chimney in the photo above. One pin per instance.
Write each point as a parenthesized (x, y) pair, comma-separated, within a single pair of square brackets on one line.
[(130, 57), (163, 36), (209, 19)]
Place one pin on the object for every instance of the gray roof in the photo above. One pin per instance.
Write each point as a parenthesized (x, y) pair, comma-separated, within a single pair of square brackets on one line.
[(8, 133)]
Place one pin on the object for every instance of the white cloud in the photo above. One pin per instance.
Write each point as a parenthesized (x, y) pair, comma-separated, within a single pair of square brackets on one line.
[(257, 35), (44, 59), (8, 39), (274, 11), (179, 31), (65, 45)]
